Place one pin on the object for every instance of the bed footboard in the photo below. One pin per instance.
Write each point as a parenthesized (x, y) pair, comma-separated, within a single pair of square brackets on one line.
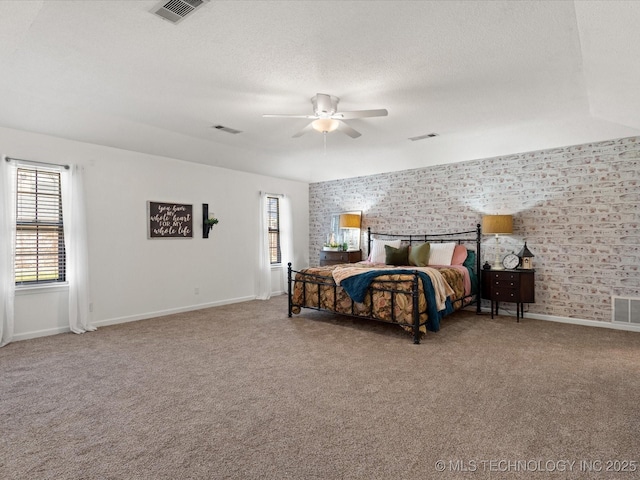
[(396, 301), (289, 291)]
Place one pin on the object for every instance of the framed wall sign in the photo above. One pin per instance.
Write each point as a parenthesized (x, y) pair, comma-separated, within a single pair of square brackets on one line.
[(169, 220)]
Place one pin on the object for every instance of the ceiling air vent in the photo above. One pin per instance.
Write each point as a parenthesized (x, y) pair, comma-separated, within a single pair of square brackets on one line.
[(422, 137), (227, 129), (176, 10)]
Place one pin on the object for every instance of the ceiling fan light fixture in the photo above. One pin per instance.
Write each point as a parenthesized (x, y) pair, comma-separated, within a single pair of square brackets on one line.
[(325, 125), (327, 118)]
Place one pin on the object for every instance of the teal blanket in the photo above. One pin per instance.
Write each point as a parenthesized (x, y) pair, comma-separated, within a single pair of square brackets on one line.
[(357, 285)]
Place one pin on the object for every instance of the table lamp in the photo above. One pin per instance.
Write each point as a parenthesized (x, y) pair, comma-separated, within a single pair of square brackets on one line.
[(350, 222), (497, 225)]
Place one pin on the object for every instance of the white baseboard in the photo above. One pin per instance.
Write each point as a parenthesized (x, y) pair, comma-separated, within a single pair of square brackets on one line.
[(131, 318), (586, 323), (39, 333), (171, 311), (574, 321), (161, 313)]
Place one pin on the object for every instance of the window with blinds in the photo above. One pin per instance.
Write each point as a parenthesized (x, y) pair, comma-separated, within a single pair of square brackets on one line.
[(273, 211), (39, 254)]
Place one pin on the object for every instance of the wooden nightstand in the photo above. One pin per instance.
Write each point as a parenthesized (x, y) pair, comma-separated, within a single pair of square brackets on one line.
[(334, 258), (515, 286)]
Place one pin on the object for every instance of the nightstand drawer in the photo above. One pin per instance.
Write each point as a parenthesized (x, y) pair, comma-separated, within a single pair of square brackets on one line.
[(506, 294), (505, 283), (505, 278), (328, 257), (334, 256)]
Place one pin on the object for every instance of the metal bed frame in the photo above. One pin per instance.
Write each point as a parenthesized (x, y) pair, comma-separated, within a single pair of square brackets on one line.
[(391, 286)]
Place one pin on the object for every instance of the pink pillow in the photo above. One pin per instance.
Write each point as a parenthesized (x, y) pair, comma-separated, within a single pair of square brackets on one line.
[(459, 255)]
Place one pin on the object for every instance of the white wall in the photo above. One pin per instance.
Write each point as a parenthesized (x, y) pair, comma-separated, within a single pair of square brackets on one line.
[(133, 277)]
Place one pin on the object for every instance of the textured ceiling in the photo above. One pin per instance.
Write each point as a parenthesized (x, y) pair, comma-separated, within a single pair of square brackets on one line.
[(490, 78)]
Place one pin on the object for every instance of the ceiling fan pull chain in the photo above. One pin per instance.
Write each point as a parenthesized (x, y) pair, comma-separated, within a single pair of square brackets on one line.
[(324, 136)]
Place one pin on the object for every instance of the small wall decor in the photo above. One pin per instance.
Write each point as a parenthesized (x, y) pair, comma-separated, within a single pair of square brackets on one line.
[(208, 220), (169, 220)]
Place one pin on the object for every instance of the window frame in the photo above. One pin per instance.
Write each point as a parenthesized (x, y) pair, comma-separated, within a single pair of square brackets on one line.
[(274, 231), (28, 225)]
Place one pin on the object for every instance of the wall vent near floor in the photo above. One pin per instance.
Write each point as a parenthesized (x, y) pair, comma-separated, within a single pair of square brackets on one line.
[(626, 310), (176, 10)]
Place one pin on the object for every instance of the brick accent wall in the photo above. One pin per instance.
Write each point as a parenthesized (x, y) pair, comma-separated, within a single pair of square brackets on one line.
[(577, 207)]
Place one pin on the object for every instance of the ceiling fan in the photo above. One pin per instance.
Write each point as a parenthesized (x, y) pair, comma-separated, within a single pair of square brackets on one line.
[(327, 118)]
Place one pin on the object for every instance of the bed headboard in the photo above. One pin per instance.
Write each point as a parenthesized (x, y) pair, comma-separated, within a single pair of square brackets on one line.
[(469, 236)]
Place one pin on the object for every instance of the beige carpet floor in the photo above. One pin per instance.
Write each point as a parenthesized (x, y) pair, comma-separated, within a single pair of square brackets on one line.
[(243, 392)]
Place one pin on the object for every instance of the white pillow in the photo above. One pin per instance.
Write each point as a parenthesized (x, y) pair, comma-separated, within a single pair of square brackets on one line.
[(441, 253), (378, 254)]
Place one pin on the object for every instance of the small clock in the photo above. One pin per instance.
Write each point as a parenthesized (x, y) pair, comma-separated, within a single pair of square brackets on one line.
[(510, 261)]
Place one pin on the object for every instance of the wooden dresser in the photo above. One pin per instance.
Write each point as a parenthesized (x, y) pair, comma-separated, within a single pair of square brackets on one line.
[(333, 258), (515, 286)]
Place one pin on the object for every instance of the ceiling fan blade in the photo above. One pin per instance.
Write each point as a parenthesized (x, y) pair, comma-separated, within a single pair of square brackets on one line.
[(344, 128), (285, 115), (306, 129), (382, 112)]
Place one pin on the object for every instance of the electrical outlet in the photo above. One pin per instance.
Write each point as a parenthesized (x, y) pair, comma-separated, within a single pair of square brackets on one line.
[(196, 291), (91, 307)]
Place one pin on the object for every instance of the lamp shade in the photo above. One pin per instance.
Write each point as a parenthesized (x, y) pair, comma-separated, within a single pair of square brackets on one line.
[(349, 220), (497, 224), (325, 125)]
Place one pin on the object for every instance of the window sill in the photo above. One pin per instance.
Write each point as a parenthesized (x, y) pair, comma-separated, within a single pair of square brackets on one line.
[(42, 288)]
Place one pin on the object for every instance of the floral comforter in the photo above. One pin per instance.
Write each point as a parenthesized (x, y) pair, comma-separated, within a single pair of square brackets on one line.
[(326, 288)]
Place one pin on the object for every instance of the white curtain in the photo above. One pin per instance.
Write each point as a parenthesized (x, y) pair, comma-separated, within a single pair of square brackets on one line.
[(76, 248), (264, 263), (265, 286), (7, 235), (286, 237)]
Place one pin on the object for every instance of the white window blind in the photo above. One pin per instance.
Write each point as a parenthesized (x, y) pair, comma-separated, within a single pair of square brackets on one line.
[(39, 254), (273, 210)]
